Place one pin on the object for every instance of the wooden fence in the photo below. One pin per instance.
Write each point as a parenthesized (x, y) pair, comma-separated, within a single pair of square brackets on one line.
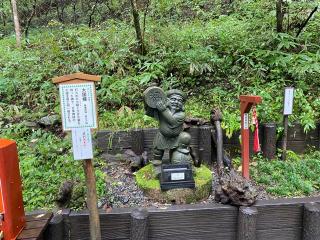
[(281, 219), (140, 140)]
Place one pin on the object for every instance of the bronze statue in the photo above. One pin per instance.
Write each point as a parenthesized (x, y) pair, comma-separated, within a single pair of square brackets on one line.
[(169, 111)]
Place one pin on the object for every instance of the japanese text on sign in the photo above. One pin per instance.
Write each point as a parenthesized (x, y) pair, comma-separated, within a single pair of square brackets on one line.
[(82, 143), (245, 121), (288, 100), (78, 106), (177, 176)]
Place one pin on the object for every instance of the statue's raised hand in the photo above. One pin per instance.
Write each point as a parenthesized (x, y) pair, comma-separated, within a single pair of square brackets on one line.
[(161, 106)]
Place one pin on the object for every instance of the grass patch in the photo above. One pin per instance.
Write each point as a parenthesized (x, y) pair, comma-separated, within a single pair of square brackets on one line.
[(298, 176)]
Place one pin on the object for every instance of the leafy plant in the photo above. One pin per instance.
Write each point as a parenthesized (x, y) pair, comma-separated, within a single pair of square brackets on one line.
[(45, 163), (298, 176)]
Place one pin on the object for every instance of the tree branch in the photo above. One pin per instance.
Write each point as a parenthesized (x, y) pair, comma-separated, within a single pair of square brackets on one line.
[(306, 21)]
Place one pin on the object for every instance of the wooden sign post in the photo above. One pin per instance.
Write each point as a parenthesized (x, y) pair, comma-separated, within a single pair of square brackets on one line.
[(246, 102), (287, 110), (79, 115)]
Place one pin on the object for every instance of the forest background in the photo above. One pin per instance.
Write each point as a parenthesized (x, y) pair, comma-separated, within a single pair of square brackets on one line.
[(214, 50)]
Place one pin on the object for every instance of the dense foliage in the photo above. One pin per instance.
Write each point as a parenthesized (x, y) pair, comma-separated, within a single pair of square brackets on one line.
[(46, 163), (214, 60), (213, 52)]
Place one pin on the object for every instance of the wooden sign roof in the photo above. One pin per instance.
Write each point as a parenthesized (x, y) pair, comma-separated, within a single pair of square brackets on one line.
[(250, 98), (79, 76)]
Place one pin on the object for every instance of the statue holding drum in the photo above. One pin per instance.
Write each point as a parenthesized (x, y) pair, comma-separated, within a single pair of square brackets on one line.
[(168, 109)]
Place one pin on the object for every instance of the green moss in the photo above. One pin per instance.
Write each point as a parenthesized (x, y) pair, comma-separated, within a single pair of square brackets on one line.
[(202, 175), (146, 178)]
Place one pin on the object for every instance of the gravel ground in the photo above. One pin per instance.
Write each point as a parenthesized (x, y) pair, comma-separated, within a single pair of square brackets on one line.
[(122, 190)]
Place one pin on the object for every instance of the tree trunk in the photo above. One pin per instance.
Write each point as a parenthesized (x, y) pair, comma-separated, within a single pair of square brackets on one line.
[(137, 26), (16, 22), (280, 15), (75, 12), (29, 21), (4, 19), (3, 16), (62, 4), (146, 9), (93, 9)]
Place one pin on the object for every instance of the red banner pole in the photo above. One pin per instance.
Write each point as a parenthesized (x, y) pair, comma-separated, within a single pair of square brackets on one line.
[(244, 148), (246, 103)]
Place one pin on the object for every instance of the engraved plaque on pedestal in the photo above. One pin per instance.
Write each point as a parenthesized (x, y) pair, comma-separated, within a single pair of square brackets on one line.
[(176, 176)]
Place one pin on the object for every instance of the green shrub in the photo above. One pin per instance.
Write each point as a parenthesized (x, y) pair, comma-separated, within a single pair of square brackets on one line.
[(298, 176), (46, 162)]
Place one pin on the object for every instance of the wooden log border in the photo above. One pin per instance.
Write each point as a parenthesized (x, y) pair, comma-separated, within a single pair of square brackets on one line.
[(279, 219), (247, 221), (140, 140)]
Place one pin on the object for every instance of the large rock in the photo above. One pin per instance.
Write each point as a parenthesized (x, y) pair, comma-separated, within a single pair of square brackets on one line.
[(235, 190), (49, 120)]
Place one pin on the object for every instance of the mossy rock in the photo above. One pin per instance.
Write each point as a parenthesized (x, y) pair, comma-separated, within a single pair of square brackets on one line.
[(147, 181)]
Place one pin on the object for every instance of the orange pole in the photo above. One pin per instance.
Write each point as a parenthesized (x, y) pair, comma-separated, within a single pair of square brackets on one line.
[(245, 148), (246, 103), (10, 191)]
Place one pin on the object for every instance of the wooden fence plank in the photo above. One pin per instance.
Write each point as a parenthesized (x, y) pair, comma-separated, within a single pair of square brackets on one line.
[(139, 224), (117, 142), (247, 221), (107, 140), (199, 222), (137, 141), (311, 221), (279, 234), (113, 226), (278, 219), (205, 142), (269, 140), (55, 230), (149, 135), (280, 216), (36, 225)]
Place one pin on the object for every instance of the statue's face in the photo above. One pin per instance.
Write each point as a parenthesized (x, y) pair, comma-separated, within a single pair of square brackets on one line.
[(176, 102)]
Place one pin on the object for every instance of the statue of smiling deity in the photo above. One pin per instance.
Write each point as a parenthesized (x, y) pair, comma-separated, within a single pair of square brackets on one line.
[(169, 111)]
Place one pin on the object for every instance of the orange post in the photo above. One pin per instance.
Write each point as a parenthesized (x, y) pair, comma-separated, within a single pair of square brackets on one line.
[(246, 102), (11, 203)]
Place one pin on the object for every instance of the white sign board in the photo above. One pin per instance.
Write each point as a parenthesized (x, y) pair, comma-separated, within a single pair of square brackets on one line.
[(82, 143), (288, 100), (78, 106), (245, 121), (177, 176)]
